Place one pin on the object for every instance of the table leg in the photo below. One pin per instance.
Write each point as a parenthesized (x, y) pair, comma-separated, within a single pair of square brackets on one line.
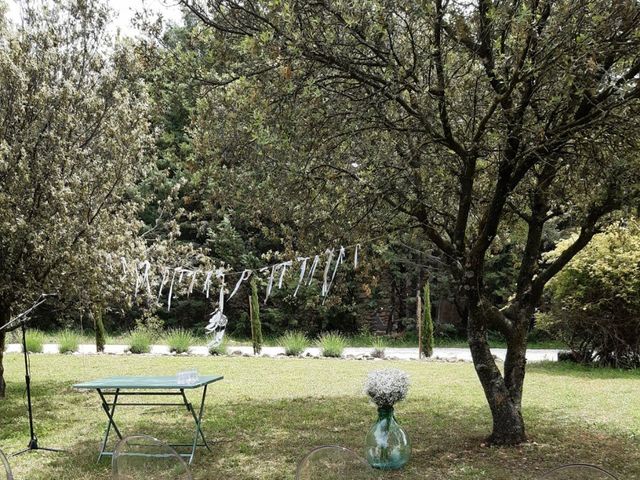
[(109, 410), (198, 421)]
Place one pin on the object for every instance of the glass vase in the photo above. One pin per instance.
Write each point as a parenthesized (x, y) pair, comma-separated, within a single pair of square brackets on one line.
[(387, 445)]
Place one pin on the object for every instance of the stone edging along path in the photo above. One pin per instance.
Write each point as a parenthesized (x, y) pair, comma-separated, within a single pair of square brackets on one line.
[(360, 353)]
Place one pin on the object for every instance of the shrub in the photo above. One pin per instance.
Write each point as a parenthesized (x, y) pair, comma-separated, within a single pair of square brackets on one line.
[(219, 349), (332, 344), (179, 340), (595, 306), (140, 341), (378, 347), (34, 341), (69, 341), (294, 343)]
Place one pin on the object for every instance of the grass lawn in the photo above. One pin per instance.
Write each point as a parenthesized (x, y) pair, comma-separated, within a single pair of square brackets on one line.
[(268, 412)]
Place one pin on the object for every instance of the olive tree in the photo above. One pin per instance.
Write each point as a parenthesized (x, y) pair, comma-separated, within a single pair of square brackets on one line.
[(485, 123), (73, 131)]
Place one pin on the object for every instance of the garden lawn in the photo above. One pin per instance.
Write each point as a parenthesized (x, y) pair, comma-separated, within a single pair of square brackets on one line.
[(267, 413)]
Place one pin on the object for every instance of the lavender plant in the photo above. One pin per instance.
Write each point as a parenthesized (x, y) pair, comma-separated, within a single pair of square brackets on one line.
[(387, 387)]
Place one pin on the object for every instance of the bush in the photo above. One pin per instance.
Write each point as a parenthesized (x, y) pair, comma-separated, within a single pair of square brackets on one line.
[(294, 343), (378, 347), (332, 344), (179, 340), (69, 341), (34, 341), (219, 349), (595, 306), (140, 341)]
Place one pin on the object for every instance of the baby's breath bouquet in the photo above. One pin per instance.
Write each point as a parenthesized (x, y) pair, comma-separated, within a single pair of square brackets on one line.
[(387, 445), (387, 387)]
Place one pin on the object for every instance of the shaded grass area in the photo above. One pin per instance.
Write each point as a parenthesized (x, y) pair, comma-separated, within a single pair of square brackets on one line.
[(267, 413)]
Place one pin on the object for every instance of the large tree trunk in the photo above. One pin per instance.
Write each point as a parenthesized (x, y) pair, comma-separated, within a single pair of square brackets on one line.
[(504, 394), (5, 317)]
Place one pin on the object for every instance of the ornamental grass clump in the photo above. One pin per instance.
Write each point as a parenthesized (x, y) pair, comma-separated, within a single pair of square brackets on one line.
[(69, 341), (220, 349), (293, 343), (34, 341), (387, 387), (179, 340), (378, 348), (140, 341), (332, 344)]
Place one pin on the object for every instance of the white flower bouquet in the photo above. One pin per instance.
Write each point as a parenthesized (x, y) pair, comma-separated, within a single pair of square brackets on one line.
[(387, 387)]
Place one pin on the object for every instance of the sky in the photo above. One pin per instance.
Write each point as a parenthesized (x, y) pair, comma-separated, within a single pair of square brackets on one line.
[(124, 10)]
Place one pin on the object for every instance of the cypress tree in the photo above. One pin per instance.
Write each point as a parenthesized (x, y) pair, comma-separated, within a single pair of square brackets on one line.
[(256, 327), (427, 324)]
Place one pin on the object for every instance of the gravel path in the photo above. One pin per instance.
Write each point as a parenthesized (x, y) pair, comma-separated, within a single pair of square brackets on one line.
[(449, 354)]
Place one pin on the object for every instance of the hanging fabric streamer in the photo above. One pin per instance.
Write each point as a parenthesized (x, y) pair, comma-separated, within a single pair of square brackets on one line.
[(125, 269), (283, 270), (109, 261), (218, 321), (163, 282), (339, 260), (312, 271), (194, 274), (325, 275), (303, 268), (220, 276), (207, 283), (270, 284), (243, 277), (176, 270), (142, 278), (355, 257)]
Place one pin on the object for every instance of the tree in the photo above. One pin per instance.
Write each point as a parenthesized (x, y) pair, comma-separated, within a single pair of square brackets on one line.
[(470, 121), (74, 133), (594, 304), (427, 324), (256, 327)]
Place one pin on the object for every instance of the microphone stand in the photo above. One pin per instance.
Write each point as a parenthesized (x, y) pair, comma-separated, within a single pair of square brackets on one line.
[(22, 321)]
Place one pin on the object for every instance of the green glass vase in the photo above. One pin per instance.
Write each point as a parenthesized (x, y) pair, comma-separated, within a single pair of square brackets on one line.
[(387, 445)]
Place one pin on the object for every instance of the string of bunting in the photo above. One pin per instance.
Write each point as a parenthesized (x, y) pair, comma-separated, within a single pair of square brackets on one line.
[(174, 277)]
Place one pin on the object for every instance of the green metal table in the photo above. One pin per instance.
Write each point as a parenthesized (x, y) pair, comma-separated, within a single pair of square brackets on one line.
[(117, 387)]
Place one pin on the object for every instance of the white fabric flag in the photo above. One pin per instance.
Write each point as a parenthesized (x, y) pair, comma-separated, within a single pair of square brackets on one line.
[(173, 278), (303, 268), (339, 260), (270, 283), (325, 275), (207, 283), (283, 269), (355, 257), (163, 282), (244, 276), (142, 278), (312, 271)]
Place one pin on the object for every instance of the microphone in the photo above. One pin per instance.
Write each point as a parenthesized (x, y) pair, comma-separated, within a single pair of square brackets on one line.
[(44, 295)]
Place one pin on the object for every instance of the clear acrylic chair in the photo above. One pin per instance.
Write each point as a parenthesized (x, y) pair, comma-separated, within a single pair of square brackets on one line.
[(332, 462), (578, 471), (5, 469), (141, 457)]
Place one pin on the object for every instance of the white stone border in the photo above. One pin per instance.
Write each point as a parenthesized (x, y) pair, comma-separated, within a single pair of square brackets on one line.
[(446, 354)]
